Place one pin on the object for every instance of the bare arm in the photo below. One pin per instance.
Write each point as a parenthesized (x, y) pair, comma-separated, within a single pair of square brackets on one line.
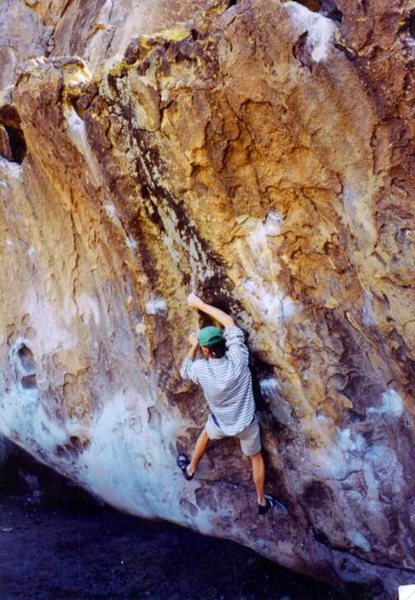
[(188, 369), (216, 313)]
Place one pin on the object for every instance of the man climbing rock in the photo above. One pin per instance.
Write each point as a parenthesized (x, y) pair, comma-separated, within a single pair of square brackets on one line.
[(224, 375)]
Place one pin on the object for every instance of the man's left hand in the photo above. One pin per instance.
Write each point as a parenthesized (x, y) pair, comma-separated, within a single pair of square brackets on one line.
[(193, 339)]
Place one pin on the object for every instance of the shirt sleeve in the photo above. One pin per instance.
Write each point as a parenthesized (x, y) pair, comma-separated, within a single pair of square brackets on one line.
[(235, 343), (188, 370)]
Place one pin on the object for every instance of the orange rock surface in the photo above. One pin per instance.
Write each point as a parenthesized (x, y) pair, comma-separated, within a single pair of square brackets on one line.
[(258, 153)]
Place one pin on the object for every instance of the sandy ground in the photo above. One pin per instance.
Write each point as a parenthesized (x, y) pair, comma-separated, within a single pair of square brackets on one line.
[(58, 543)]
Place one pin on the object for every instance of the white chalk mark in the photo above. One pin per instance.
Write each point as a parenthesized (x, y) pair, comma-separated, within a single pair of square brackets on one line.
[(320, 29)]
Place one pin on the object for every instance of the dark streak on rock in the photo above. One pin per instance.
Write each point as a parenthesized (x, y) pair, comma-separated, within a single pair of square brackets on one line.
[(329, 9), (301, 53), (350, 55), (411, 25), (149, 166)]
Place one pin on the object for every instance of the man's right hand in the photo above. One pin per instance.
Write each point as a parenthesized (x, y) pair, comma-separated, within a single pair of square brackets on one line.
[(194, 301), (216, 313)]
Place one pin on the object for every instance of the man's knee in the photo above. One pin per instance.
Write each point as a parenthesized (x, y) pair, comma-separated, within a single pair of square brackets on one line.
[(252, 448)]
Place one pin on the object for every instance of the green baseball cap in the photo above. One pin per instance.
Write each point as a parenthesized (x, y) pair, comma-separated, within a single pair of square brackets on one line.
[(209, 336)]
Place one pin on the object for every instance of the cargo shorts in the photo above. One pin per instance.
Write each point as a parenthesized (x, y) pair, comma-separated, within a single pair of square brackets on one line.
[(249, 438)]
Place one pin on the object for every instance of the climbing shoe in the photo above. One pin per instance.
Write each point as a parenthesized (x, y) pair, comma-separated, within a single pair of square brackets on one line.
[(271, 502), (182, 462)]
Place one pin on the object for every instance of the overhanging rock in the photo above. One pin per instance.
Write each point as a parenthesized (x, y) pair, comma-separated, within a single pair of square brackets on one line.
[(258, 153)]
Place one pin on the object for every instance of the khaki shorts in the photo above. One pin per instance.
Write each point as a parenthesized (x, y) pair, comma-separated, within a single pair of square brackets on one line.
[(249, 437)]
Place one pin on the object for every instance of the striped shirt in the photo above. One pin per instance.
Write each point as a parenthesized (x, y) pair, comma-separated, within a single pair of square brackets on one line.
[(226, 383)]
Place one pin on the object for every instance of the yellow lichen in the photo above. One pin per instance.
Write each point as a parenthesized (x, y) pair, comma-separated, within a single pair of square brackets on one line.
[(175, 34)]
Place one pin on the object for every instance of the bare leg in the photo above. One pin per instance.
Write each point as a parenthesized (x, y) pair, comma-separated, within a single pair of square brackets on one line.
[(200, 449), (258, 472)]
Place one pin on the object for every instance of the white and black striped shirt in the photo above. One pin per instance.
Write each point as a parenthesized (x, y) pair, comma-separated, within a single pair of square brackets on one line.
[(226, 383)]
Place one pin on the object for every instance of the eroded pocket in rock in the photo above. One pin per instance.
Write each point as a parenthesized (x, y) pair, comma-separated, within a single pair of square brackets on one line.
[(12, 141)]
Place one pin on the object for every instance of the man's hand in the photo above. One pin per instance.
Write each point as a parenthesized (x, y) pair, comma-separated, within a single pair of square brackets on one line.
[(193, 339), (216, 313), (194, 345), (195, 302)]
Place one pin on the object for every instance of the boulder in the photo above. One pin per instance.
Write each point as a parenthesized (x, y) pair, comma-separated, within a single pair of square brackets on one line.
[(258, 153)]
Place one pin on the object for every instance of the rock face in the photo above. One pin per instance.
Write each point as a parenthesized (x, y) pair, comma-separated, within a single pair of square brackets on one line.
[(259, 153)]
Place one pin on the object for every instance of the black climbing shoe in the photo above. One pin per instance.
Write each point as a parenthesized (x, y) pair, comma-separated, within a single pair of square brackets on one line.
[(182, 462), (270, 503)]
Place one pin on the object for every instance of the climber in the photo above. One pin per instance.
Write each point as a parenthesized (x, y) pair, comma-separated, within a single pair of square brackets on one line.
[(224, 375)]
